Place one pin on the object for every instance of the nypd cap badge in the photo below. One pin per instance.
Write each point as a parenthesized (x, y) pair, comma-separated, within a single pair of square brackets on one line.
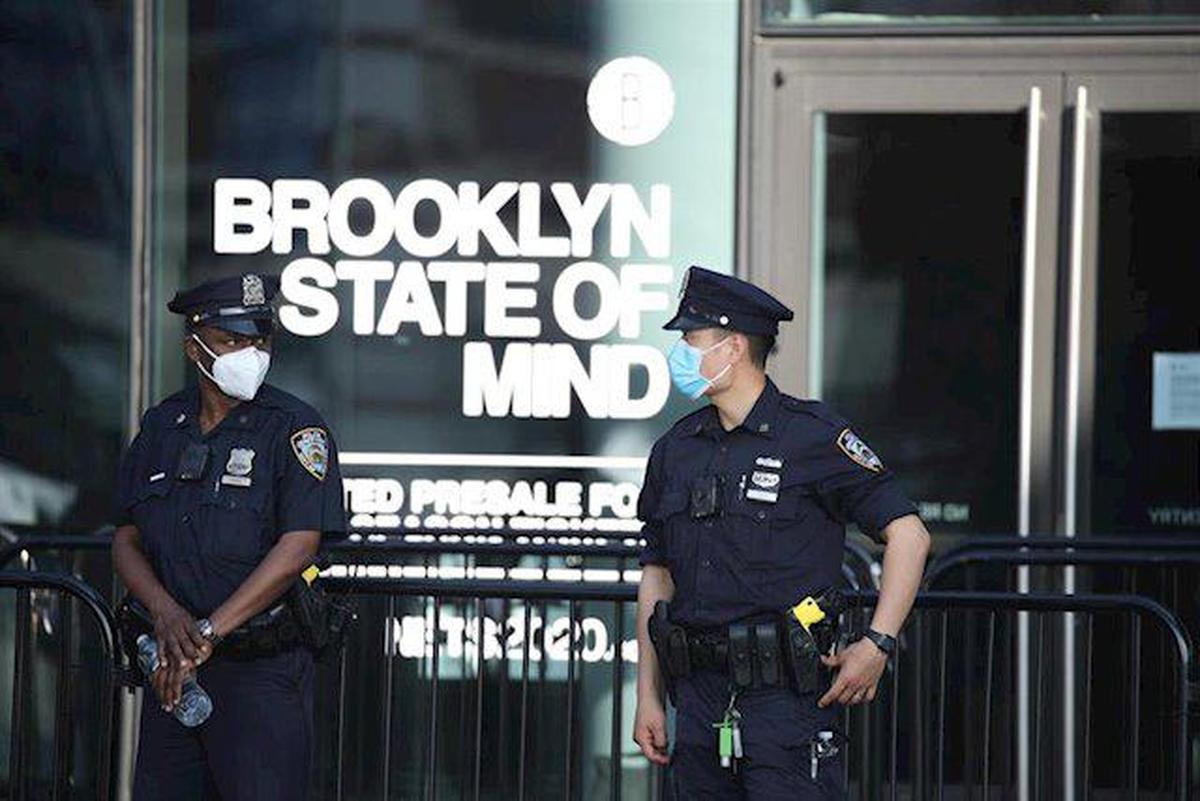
[(253, 293), (858, 451), (311, 447)]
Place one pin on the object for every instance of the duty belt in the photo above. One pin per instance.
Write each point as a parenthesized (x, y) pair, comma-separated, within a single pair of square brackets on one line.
[(266, 634), (751, 654)]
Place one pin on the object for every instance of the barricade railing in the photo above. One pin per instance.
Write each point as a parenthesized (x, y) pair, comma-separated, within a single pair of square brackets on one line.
[(45, 609), (1187, 541), (963, 742), (894, 770), (1162, 570), (860, 570), (506, 642)]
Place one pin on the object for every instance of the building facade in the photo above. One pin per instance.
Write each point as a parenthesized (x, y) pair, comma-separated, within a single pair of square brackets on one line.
[(984, 214)]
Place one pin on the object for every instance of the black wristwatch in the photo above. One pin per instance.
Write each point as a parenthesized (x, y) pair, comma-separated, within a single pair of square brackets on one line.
[(884, 642)]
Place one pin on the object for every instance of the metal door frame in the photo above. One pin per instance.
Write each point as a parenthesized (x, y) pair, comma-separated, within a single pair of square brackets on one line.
[(792, 77)]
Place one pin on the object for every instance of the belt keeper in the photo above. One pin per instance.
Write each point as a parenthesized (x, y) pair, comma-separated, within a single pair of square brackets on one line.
[(678, 652), (766, 645), (741, 667)]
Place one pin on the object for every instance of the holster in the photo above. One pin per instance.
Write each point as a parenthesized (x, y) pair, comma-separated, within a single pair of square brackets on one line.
[(806, 644), (803, 656), (670, 646), (306, 615), (322, 620), (133, 620)]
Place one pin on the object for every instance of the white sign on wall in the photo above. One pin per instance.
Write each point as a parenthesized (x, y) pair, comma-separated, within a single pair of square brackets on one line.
[(1176, 393)]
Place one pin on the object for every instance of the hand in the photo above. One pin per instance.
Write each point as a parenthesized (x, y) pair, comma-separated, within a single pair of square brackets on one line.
[(179, 643), (168, 684), (859, 667), (650, 730)]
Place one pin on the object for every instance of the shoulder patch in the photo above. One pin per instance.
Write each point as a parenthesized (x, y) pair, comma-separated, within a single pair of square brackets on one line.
[(311, 447), (858, 451)]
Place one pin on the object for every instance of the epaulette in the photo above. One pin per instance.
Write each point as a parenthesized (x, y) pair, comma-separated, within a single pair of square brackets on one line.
[(813, 408), (687, 424)]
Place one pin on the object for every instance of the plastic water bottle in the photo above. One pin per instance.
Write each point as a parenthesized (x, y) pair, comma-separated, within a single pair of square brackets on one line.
[(194, 705)]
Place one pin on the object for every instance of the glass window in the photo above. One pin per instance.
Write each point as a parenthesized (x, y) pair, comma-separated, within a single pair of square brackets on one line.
[(1146, 440), (917, 340), (64, 345), (881, 13), (533, 170), (64, 260)]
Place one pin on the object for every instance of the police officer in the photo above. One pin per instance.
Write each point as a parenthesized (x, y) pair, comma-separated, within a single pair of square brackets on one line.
[(744, 505), (224, 498)]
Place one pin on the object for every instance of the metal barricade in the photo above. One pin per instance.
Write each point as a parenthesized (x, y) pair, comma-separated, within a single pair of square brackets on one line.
[(980, 767), (509, 677), (1163, 574), (545, 757), (951, 702), (502, 689), (46, 602)]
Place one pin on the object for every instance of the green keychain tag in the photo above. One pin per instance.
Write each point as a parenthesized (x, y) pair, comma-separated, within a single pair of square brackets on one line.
[(725, 741), (725, 734)]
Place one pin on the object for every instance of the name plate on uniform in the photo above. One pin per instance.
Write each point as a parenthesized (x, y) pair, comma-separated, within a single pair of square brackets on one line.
[(235, 481)]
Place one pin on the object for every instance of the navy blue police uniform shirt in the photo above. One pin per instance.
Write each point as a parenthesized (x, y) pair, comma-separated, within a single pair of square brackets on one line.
[(272, 468), (789, 477)]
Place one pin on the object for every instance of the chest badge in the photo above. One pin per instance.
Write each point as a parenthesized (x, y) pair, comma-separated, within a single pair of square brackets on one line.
[(237, 469), (241, 462), (769, 461), (858, 451)]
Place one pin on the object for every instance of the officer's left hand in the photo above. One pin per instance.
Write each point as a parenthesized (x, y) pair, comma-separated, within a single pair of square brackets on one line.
[(859, 667)]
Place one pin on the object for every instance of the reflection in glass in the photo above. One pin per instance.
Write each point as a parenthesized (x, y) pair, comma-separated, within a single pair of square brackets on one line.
[(454, 92), (64, 264), (1146, 473), (919, 330)]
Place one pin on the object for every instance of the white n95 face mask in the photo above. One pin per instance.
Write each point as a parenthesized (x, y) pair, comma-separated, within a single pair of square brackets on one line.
[(238, 374)]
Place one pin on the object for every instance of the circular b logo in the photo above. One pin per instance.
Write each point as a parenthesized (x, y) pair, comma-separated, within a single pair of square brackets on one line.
[(631, 101)]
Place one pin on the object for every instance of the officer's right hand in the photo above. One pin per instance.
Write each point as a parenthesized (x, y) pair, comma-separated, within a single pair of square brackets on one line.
[(650, 731)]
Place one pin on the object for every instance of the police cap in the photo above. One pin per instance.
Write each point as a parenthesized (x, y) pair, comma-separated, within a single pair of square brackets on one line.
[(713, 300), (240, 304)]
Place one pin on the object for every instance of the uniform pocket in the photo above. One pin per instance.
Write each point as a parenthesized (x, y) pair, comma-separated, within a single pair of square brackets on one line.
[(773, 534), (151, 491), (230, 526)]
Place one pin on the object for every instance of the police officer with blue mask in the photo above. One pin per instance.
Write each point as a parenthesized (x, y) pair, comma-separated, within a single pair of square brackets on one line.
[(744, 507), (223, 500)]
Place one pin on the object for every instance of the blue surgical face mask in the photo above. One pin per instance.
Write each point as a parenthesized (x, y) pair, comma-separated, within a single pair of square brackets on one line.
[(684, 363)]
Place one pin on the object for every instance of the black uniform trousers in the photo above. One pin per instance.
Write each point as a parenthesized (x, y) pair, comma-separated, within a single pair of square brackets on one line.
[(256, 745), (777, 727)]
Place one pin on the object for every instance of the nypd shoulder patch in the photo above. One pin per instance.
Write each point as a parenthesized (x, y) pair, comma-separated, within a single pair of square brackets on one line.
[(858, 451), (311, 447)]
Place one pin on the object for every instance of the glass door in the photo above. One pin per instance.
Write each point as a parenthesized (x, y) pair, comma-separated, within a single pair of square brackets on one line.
[(1133, 358), (920, 250), (912, 220), (1131, 422)]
